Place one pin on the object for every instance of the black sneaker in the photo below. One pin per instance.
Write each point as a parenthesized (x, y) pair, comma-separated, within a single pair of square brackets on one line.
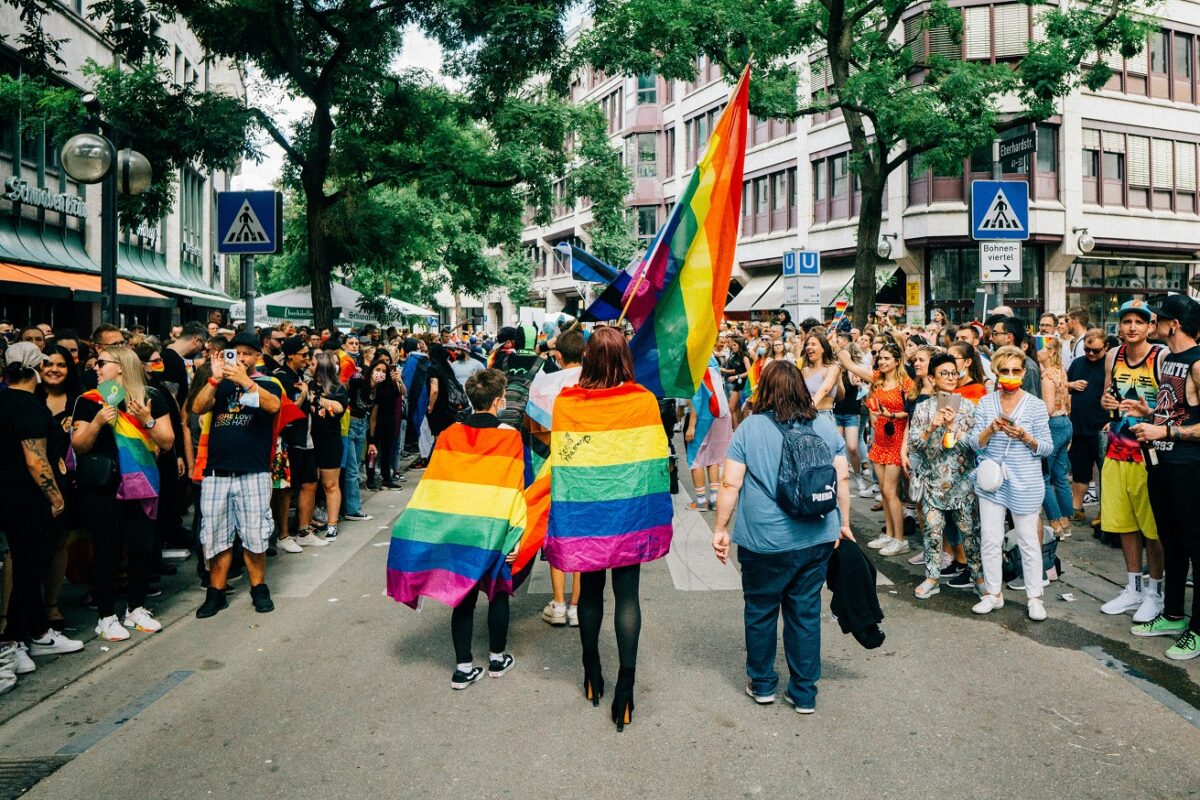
[(461, 680), (331, 533), (499, 666), (359, 517), (963, 580), (272, 552), (214, 601), (952, 569), (260, 596), (153, 591)]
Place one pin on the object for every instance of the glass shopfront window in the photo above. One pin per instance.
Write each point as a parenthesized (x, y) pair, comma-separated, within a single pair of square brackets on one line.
[(952, 275), (1103, 285)]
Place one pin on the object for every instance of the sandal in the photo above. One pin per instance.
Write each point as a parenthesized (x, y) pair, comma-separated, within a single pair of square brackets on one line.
[(926, 589)]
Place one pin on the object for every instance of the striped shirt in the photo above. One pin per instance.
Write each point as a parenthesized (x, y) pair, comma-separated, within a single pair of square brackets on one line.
[(1024, 489)]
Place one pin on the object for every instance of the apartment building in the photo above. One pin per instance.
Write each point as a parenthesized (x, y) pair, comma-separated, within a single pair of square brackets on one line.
[(168, 270), (1115, 170)]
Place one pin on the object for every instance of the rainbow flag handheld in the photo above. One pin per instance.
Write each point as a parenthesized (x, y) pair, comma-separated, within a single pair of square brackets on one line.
[(709, 404), (466, 515), (679, 301), (610, 500), (136, 458)]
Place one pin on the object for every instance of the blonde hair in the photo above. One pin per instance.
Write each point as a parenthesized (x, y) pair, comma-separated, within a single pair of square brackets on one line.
[(1008, 353), (1054, 349), (133, 376)]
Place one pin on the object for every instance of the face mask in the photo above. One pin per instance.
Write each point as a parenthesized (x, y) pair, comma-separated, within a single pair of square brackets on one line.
[(762, 351), (1009, 383)]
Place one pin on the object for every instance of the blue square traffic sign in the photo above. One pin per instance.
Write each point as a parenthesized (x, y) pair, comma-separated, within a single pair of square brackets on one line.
[(249, 223), (808, 262), (999, 210)]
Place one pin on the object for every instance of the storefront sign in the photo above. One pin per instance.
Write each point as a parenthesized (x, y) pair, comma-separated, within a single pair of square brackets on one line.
[(148, 234), (20, 191)]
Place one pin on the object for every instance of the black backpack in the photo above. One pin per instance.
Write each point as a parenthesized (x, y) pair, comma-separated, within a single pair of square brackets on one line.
[(807, 484), (456, 399), (520, 371)]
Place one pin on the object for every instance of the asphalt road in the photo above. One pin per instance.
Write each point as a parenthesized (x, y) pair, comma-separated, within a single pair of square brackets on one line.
[(341, 693)]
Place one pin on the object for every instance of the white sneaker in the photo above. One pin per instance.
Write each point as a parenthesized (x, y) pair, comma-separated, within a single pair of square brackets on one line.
[(22, 663), (895, 548), (864, 489), (555, 614), (879, 541), (573, 616), (988, 603), (1151, 607), (8, 679), (54, 643), (1037, 611), (111, 630), (309, 540), (289, 545), (140, 619), (1129, 599)]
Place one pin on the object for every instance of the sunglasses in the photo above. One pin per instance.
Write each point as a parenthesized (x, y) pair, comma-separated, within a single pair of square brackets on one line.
[(101, 362), (1011, 371), (1093, 350)]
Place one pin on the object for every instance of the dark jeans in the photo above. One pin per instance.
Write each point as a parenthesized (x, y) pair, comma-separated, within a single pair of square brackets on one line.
[(33, 537), (1173, 489), (792, 580), (117, 525), (462, 625)]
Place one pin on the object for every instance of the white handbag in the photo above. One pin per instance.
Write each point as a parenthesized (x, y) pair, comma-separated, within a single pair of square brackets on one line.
[(991, 475)]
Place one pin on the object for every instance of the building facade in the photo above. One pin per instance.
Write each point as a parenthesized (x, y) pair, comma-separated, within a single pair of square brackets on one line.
[(169, 270), (1115, 169)]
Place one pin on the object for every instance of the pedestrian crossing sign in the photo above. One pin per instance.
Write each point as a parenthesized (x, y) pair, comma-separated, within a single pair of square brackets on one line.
[(249, 223), (999, 210)]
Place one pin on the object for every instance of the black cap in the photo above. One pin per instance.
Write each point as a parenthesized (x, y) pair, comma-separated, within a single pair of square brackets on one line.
[(1176, 306), (293, 345), (246, 340), (507, 334)]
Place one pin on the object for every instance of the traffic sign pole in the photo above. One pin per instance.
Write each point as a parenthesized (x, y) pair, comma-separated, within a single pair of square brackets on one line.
[(248, 293), (997, 175)]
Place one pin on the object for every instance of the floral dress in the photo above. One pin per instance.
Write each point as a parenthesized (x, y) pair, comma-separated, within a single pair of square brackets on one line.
[(885, 447)]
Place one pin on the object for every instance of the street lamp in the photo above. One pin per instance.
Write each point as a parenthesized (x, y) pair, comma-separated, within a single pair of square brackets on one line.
[(1085, 241), (884, 249), (94, 158)]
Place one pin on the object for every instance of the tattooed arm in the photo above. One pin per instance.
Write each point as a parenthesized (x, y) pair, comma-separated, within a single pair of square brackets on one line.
[(39, 469)]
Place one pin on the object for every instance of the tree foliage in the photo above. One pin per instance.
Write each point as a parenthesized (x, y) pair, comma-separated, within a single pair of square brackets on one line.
[(897, 104)]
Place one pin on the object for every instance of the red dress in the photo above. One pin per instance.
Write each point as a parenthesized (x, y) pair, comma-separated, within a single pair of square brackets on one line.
[(885, 448)]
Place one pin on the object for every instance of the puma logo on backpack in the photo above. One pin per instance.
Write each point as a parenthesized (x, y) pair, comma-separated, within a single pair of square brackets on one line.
[(807, 484)]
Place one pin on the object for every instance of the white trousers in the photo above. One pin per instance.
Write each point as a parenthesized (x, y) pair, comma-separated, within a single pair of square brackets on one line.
[(991, 546)]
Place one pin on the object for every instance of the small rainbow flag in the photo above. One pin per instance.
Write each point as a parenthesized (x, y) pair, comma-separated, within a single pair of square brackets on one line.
[(136, 458), (679, 301), (610, 499), (465, 517)]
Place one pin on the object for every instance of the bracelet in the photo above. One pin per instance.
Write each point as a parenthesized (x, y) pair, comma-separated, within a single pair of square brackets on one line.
[(213, 382)]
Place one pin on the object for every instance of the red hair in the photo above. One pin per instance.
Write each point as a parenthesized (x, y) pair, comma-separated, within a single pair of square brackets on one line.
[(607, 361)]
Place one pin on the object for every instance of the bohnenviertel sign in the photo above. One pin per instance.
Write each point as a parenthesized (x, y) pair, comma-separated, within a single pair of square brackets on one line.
[(20, 191)]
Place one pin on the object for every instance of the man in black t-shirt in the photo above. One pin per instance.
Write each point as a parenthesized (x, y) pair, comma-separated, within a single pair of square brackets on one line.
[(299, 445), (176, 356), (235, 495)]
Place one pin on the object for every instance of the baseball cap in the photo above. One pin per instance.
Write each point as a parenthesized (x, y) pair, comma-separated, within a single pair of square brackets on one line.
[(1177, 307), (26, 354), (246, 340), (293, 345), (1135, 307)]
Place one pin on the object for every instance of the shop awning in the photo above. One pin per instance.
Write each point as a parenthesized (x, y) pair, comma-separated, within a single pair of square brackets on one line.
[(82, 286), (747, 299), (204, 299), (838, 284)]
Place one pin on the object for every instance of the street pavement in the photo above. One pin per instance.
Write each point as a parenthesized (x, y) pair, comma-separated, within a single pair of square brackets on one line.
[(342, 693)]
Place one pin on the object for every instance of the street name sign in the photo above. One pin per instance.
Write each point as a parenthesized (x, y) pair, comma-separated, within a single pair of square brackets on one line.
[(1013, 152), (249, 223), (1000, 262), (999, 210)]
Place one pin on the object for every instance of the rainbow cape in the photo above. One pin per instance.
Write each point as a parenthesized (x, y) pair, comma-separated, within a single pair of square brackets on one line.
[(679, 301), (610, 500), (753, 376), (136, 458), (466, 515)]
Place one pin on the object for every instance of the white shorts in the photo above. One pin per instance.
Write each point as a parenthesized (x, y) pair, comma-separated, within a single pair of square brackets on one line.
[(238, 506)]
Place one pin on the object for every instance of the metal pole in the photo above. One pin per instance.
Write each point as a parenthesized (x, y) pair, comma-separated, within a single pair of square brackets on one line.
[(108, 246), (248, 290), (997, 175)]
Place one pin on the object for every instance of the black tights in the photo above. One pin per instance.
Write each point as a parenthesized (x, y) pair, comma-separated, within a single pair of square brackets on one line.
[(462, 625), (627, 615)]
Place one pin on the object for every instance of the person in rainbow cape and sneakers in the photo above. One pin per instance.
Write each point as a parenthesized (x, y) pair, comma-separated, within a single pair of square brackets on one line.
[(459, 534)]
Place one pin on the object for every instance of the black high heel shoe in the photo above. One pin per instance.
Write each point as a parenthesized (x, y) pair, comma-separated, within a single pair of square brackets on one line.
[(593, 679), (622, 707)]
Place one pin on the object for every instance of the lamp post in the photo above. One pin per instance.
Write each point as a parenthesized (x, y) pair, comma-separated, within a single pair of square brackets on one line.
[(94, 158)]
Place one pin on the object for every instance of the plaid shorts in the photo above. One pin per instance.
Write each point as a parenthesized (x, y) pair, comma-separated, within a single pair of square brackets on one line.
[(237, 506)]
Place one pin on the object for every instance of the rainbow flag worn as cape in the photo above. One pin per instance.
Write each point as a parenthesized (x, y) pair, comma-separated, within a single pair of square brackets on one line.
[(610, 500), (709, 404), (136, 458), (466, 515), (753, 376), (677, 305)]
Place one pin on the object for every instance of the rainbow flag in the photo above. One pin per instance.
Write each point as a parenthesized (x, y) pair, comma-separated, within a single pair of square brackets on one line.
[(709, 404), (136, 458), (610, 500), (680, 300), (466, 515)]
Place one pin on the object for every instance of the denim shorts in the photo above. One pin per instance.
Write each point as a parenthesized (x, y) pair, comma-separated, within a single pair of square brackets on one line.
[(846, 420)]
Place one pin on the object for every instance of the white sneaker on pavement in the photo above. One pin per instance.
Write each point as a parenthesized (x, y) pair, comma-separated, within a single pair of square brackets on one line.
[(1037, 610), (1151, 607), (895, 548), (8, 679), (879, 541), (111, 630), (289, 545), (988, 603), (1129, 599), (573, 616), (555, 614), (310, 540), (22, 663), (140, 619), (864, 489), (54, 643)]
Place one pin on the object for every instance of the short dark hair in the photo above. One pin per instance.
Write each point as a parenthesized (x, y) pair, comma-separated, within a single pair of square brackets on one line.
[(106, 328), (570, 346), (940, 359), (484, 386), (194, 329), (66, 335), (145, 350), (1079, 314), (781, 391)]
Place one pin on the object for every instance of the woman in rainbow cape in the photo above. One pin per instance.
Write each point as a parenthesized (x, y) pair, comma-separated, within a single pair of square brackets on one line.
[(459, 534), (119, 428), (610, 505)]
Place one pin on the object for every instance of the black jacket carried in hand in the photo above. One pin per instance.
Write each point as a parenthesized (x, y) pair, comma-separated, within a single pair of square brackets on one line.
[(851, 578)]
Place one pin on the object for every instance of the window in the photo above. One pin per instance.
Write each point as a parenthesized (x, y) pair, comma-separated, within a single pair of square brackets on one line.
[(840, 168), (977, 32), (613, 111), (1010, 25), (1101, 286), (647, 89), (647, 155), (1139, 171), (820, 176), (1047, 149), (952, 276), (669, 152), (1158, 52), (646, 221), (697, 130), (1163, 69)]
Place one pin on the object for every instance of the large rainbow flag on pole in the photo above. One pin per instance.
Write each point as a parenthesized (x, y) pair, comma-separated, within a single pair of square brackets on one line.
[(678, 297), (465, 517)]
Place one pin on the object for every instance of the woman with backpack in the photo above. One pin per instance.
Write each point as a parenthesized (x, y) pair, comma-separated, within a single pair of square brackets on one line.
[(783, 558), (446, 395)]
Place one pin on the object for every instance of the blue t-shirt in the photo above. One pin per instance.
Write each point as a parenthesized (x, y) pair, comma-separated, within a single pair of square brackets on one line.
[(761, 525)]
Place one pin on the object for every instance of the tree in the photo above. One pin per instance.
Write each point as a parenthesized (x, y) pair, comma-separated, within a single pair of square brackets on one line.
[(898, 104)]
